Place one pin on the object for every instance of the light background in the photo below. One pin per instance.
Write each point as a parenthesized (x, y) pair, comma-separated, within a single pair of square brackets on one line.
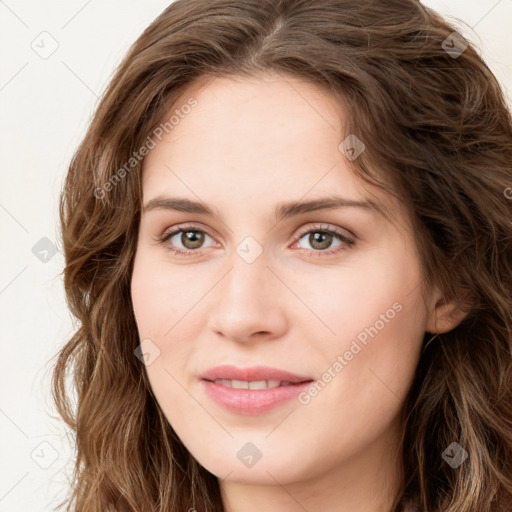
[(45, 105)]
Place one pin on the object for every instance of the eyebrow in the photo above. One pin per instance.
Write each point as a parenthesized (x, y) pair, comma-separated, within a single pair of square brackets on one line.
[(282, 210)]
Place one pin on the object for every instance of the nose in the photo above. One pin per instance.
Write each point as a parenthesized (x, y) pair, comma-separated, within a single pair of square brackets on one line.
[(249, 303)]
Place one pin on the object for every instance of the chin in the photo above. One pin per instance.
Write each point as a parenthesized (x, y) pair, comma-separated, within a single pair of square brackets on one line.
[(236, 464)]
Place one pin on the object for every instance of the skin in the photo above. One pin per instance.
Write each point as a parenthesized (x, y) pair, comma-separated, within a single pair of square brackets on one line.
[(248, 145)]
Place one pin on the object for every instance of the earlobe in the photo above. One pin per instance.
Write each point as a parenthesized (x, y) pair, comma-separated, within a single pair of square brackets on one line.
[(445, 316)]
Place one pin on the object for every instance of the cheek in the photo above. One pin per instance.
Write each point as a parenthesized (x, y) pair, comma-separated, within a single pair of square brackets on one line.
[(163, 301), (379, 291), (159, 295), (157, 308), (375, 315), (378, 316), (380, 355)]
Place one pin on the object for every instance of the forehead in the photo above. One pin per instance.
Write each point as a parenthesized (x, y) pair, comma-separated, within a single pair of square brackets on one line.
[(250, 115), (274, 138)]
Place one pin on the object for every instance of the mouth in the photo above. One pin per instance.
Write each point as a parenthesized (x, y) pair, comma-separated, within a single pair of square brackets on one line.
[(253, 396), (255, 384), (255, 377)]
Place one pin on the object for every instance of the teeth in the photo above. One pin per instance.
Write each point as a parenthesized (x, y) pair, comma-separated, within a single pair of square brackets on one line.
[(255, 384), (239, 384), (259, 384)]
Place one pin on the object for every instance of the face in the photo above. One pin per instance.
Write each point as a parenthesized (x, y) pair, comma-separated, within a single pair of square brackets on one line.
[(330, 295)]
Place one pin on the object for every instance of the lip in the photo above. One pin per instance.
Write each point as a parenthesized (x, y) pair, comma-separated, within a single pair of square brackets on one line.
[(252, 373), (252, 401)]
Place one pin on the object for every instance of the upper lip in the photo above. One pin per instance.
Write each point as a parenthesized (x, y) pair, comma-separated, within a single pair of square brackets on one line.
[(252, 374)]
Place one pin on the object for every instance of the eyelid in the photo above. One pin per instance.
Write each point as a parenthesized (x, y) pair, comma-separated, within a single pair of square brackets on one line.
[(342, 232), (190, 226), (303, 230)]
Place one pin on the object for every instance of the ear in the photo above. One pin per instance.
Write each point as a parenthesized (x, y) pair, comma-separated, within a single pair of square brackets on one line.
[(443, 316)]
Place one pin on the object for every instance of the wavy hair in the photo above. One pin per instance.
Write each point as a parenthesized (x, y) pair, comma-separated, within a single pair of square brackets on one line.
[(435, 124)]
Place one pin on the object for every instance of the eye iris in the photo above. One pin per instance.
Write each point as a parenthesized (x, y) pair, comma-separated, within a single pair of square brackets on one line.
[(194, 237), (317, 236)]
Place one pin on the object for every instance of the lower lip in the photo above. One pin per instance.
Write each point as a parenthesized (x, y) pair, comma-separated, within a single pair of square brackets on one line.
[(251, 401)]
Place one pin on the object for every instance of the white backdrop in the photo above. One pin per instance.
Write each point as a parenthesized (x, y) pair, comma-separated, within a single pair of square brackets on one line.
[(56, 59)]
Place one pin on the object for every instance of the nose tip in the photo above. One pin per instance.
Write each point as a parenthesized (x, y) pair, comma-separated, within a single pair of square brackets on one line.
[(246, 305)]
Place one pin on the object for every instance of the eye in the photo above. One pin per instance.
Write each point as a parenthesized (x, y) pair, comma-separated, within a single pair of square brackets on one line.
[(319, 237), (190, 237)]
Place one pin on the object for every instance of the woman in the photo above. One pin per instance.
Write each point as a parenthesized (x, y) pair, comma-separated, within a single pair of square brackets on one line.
[(288, 243)]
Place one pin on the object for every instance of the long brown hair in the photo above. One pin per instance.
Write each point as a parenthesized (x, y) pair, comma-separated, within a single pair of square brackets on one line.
[(435, 123)]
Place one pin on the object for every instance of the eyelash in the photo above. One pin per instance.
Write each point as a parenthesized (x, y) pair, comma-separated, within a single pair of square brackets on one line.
[(318, 228)]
